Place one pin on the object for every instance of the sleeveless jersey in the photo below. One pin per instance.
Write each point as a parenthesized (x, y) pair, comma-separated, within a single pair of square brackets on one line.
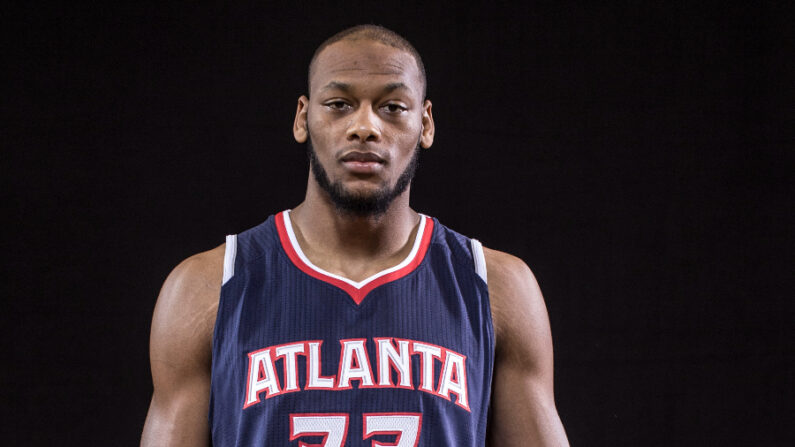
[(303, 357)]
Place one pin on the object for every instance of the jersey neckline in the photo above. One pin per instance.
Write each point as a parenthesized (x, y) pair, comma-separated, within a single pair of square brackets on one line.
[(356, 290)]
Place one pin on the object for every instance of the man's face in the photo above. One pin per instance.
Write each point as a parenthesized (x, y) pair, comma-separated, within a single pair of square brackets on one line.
[(364, 123)]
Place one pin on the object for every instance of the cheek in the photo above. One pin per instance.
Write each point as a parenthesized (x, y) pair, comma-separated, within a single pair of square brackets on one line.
[(410, 135), (408, 141), (319, 132), (408, 130)]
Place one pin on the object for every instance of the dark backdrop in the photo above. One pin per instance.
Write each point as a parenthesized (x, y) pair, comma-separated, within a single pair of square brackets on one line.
[(637, 156)]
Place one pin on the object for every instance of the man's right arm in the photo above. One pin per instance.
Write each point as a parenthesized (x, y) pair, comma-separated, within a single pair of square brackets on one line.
[(180, 353)]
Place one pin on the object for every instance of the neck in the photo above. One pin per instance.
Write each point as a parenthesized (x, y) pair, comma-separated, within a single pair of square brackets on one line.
[(323, 229)]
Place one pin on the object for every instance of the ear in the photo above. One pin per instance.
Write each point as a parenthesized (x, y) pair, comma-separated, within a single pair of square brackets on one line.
[(300, 131), (426, 139)]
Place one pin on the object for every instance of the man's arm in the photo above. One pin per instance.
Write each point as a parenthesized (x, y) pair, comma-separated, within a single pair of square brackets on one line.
[(523, 409), (180, 353)]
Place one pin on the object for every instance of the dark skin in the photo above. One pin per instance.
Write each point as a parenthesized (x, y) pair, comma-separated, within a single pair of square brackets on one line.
[(366, 98)]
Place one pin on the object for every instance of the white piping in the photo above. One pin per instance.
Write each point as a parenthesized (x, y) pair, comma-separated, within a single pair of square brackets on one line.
[(229, 257), (480, 259)]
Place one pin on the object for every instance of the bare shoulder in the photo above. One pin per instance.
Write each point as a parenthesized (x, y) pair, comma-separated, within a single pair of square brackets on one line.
[(185, 312), (198, 274), (518, 309), (508, 275)]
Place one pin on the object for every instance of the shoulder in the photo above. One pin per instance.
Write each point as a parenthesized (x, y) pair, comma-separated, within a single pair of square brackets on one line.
[(195, 280), (507, 273), (199, 270), (511, 282), (519, 314), (185, 312)]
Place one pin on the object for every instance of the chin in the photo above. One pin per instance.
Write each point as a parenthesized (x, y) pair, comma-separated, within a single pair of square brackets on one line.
[(362, 193), (361, 187)]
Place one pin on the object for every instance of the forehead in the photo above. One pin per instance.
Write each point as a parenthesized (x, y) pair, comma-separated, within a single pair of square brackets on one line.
[(365, 61)]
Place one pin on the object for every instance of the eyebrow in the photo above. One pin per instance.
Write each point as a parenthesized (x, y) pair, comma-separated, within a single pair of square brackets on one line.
[(391, 87), (334, 85)]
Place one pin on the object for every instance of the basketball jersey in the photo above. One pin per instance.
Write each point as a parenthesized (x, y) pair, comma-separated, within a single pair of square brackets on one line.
[(304, 357)]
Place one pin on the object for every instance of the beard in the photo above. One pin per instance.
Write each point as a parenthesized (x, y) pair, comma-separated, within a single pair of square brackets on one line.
[(360, 204)]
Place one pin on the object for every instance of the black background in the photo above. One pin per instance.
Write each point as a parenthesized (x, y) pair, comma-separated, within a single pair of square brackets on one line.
[(638, 156)]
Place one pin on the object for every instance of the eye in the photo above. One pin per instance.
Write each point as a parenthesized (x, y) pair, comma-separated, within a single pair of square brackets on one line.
[(394, 108), (337, 105)]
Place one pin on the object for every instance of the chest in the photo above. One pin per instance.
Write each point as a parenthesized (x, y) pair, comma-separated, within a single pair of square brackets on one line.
[(289, 344)]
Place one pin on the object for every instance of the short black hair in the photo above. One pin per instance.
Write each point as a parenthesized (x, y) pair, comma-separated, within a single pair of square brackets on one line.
[(375, 33)]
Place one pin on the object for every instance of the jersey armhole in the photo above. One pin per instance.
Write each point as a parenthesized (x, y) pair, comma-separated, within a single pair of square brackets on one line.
[(479, 258), (229, 258)]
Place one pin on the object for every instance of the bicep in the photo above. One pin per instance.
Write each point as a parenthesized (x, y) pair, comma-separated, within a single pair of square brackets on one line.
[(178, 417), (523, 405), (180, 346), (523, 410)]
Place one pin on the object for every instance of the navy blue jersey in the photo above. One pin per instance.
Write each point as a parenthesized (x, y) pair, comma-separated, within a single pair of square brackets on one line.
[(303, 357)]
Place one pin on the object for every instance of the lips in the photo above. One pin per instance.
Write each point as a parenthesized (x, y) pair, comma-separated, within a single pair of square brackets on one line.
[(362, 162), (362, 157)]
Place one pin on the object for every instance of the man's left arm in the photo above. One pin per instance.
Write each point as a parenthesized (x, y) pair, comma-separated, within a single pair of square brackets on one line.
[(523, 411)]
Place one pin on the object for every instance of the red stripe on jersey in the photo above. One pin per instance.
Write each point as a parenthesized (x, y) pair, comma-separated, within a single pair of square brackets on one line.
[(357, 294)]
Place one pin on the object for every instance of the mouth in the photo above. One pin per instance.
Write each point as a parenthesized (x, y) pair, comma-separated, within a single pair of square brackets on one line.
[(362, 157), (362, 162)]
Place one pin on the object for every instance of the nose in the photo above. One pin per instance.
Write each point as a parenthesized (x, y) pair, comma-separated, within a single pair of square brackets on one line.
[(364, 126)]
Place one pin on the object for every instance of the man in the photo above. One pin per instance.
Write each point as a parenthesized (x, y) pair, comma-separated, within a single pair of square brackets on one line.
[(352, 319)]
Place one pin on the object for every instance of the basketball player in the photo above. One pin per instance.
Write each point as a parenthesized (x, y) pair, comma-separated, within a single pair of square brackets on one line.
[(352, 320)]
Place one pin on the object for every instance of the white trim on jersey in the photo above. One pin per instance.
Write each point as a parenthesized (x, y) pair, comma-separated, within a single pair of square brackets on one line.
[(414, 249), (480, 259), (229, 257)]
